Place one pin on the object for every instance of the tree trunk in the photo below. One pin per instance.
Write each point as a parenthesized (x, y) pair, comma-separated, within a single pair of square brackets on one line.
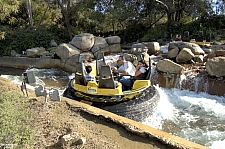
[(66, 16), (39, 23), (29, 13)]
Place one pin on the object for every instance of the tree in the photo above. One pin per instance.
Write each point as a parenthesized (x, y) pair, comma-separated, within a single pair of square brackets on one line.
[(6, 8), (29, 13), (176, 8), (65, 8)]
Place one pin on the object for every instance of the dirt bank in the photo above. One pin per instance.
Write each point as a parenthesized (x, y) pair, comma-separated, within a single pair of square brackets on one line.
[(53, 120)]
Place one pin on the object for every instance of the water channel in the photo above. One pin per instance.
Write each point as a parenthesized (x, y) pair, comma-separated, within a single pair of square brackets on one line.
[(198, 117)]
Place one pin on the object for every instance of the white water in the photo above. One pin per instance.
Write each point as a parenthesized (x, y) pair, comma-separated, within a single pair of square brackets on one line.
[(198, 117)]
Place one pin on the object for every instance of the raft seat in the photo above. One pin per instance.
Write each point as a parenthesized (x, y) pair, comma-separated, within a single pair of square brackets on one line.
[(79, 74), (106, 78)]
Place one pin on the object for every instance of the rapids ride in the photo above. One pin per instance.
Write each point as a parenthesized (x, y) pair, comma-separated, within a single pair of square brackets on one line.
[(137, 103)]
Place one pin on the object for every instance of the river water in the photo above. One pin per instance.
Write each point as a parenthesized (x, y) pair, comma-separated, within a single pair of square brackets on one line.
[(198, 117)]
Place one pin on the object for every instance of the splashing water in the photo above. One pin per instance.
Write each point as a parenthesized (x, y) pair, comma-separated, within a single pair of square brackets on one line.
[(198, 117)]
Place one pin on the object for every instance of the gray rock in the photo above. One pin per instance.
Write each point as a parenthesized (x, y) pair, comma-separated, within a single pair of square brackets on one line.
[(153, 47), (113, 40), (83, 42), (64, 51), (35, 52), (173, 53), (215, 66), (184, 56), (169, 66)]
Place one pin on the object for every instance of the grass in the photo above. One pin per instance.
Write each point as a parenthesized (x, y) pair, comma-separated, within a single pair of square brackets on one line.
[(15, 120)]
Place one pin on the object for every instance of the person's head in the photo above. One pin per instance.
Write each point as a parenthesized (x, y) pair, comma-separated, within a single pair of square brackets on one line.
[(142, 63), (88, 69), (121, 59)]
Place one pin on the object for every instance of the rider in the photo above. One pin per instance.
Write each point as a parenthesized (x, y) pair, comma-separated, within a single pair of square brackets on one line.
[(89, 76), (126, 68), (140, 74)]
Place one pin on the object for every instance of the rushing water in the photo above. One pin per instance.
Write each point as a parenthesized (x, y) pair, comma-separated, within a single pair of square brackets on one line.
[(198, 117)]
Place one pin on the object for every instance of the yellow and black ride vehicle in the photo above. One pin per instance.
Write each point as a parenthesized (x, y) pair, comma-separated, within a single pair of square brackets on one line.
[(136, 103)]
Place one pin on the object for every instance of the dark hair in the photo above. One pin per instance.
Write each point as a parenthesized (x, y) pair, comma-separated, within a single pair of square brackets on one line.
[(88, 69), (122, 57), (143, 62)]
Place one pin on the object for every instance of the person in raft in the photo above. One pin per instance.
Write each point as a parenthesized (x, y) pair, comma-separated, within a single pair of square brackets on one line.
[(89, 76), (140, 74)]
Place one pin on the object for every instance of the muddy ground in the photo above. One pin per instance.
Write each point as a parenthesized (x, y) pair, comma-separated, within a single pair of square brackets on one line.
[(53, 120)]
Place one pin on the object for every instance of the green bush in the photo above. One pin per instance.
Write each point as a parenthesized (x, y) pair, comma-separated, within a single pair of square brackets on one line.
[(15, 121), (22, 39)]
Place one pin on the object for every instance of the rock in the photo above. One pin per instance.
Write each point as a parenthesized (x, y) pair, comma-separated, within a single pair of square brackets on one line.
[(53, 43), (199, 58), (87, 56), (80, 141), (184, 56), (113, 40), (180, 45), (138, 48), (106, 51), (100, 43), (217, 47), (35, 52), (207, 50), (173, 53), (72, 60), (64, 51), (153, 47), (195, 48), (211, 55), (219, 52), (83, 42), (169, 66), (15, 54), (215, 66), (69, 139), (115, 48)]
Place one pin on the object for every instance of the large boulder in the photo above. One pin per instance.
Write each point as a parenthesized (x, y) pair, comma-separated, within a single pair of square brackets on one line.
[(115, 48), (215, 66), (184, 56), (113, 40), (169, 66), (195, 48), (105, 50), (35, 52), (180, 45), (99, 44), (173, 53), (64, 51), (83, 42), (153, 47)]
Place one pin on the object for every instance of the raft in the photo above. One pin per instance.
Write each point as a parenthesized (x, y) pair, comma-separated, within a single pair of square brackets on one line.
[(137, 103)]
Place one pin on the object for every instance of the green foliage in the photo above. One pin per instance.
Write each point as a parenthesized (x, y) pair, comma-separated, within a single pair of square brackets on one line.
[(153, 34), (22, 39), (7, 7), (15, 121), (132, 33)]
